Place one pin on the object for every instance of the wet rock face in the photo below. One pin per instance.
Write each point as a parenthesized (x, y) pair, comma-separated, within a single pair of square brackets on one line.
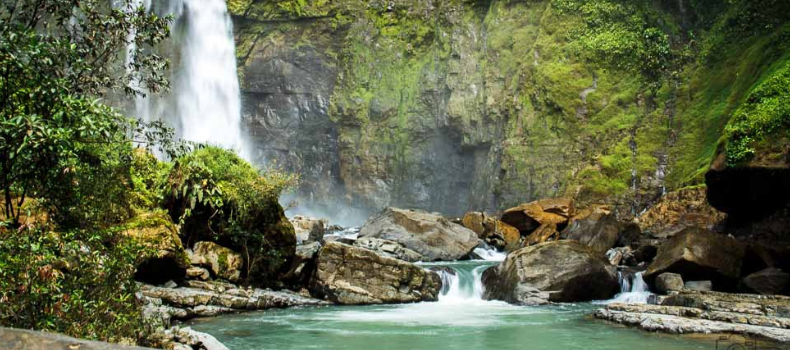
[(285, 100), (563, 271), (430, 235), (352, 275)]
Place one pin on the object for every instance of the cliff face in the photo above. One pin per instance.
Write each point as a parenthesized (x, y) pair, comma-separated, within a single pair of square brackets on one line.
[(453, 105)]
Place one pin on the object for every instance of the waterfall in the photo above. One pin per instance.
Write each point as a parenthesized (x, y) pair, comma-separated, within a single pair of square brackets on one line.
[(204, 105), (462, 285), (633, 289), (207, 88)]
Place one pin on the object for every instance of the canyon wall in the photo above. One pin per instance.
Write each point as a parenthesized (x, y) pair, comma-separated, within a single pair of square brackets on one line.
[(456, 105)]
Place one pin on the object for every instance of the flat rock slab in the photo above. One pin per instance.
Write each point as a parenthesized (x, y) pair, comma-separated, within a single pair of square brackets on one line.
[(708, 312), (234, 298), (680, 325), (22, 339)]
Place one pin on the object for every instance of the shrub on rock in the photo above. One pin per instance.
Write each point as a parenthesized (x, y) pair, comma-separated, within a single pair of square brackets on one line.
[(165, 259), (217, 196)]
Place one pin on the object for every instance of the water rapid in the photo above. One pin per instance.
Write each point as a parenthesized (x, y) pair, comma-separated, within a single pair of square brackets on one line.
[(461, 319), (633, 289)]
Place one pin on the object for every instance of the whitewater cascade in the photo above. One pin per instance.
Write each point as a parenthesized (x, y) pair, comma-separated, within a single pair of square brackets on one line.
[(205, 105), (633, 289), (461, 285)]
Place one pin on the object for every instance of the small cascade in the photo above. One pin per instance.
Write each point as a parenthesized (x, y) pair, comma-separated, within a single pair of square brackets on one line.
[(633, 289), (490, 254), (462, 284)]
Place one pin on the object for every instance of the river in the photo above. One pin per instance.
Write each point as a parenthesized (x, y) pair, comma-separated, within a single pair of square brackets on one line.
[(459, 320)]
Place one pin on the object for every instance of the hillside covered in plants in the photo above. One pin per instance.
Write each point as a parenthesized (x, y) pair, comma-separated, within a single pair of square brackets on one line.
[(454, 105)]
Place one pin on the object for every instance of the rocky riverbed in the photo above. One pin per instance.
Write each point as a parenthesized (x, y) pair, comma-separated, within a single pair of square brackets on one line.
[(552, 251)]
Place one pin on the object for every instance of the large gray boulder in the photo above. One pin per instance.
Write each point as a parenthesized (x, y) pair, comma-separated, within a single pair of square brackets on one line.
[(598, 233), (564, 271), (768, 281), (352, 275), (669, 282), (430, 235), (698, 255)]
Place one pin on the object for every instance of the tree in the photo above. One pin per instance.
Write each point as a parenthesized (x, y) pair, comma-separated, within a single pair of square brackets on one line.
[(56, 58)]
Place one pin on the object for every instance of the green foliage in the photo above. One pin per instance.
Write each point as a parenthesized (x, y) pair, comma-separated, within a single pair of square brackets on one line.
[(56, 142), (622, 34), (216, 195), (64, 150), (148, 177), (74, 283), (765, 112)]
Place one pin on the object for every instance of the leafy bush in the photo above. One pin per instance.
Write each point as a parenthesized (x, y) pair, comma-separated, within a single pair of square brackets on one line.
[(622, 34), (72, 283), (216, 195), (766, 112)]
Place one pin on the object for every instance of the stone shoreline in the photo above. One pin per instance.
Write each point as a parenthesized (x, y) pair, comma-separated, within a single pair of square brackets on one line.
[(766, 317)]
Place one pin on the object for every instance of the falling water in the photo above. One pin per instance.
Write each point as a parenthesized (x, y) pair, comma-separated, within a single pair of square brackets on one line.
[(490, 254), (205, 103), (207, 88), (633, 289), (462, 285)]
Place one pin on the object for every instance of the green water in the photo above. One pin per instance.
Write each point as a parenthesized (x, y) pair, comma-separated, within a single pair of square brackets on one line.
[(460, 320)]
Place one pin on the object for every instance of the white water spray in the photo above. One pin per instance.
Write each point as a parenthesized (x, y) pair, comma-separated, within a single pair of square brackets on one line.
[(207, 88), (205, 104), (490, 254), (461, 286), (633, 289)]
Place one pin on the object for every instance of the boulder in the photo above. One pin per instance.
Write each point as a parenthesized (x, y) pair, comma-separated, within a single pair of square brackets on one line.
[(668, 282), (347, 274), (500, 234), (430, 235), (303, 265), (388, 248), (768, 281), (599, 232), (165, 259), (308, 229), (193, 339), (494, 232), (529, 216), (564, 271), (223, 262), (544, 233), (474, 221), (698, 254)]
